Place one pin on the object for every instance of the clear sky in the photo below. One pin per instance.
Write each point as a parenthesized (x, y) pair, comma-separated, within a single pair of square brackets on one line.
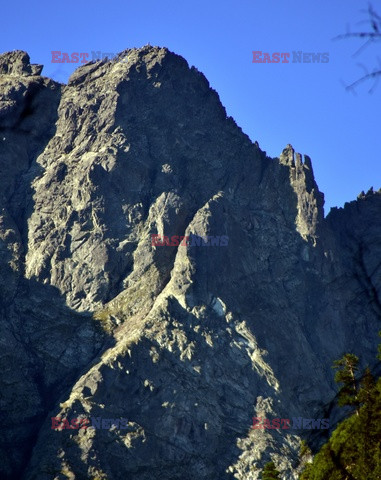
[(304, 104)]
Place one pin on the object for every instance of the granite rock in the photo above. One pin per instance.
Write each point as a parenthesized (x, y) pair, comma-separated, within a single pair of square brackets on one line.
[(186, 343)]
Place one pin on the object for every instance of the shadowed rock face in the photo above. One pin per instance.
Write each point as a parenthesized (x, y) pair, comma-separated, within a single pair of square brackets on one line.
[(187, 343)]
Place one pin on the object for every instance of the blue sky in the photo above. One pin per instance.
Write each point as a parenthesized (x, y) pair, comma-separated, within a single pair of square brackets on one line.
[(304, 104)]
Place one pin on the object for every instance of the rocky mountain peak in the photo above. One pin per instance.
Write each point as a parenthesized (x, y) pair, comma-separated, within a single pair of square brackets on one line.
[(17, 63), (310, 201), (186, 340)]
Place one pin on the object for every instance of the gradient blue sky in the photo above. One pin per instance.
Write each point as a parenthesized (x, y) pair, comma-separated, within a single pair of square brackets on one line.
[(302, 104)]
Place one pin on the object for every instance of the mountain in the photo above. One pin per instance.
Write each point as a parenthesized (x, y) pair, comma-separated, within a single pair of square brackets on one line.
[(184, 344)]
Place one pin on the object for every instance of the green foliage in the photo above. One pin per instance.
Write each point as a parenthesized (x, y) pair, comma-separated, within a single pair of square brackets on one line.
[(304, 449), (347, 368), (322, 468), (354, 450), (270, 472), (103, 316)]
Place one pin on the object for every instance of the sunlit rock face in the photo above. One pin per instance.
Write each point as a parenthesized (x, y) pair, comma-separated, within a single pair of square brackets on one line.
[(165, 353)]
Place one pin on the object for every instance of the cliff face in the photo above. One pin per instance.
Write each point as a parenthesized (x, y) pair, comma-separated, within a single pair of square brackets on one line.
[(187, 343)]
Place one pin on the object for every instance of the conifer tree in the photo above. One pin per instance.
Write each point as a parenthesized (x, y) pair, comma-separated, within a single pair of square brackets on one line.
[(270, 472), (347, 368), (354, 450)]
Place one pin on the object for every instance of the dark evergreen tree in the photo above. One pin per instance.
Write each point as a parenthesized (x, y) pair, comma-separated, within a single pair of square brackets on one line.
[(354, 450), (270, 472), (347, 368), (304, 450)]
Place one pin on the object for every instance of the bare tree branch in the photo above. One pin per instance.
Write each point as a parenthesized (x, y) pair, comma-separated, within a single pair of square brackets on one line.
[(371, 36), (373, 75)]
